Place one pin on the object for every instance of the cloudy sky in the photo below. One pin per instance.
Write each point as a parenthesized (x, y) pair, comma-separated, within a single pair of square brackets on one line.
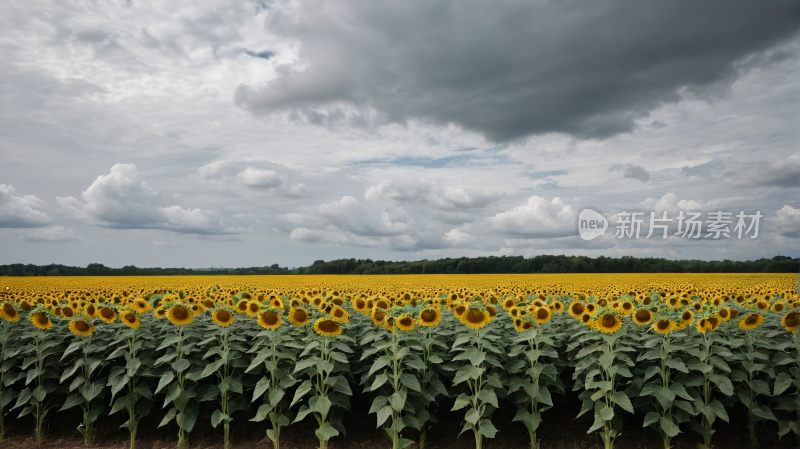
[(247, 133)]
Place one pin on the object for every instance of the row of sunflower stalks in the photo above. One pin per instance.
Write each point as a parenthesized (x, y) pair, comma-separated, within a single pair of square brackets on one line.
[(643, 361)]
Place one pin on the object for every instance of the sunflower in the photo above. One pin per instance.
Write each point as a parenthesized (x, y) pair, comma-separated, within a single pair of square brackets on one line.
[(131, 319), (180, 315), (590, 308), (378, 316), (626, 308), (459, 310), (642, 317), (704, 325), (276, 302), (664, 326), (687, 317), (339, 315), (790, 321), (778, 307), (140, 306), (24, 305), (80, 327), (41, 321), (241, 306), (751, 321), (90, 311), (105, 313), (159, 312), (543, 315), (475, 318), (430, 317), (608, 323), (508, 303), (576, 310), (557, 306), (269, 320), (327, 328), (222, 317), (298, 316), (586, 319), (9, 313), (405, 322), (253, 307)]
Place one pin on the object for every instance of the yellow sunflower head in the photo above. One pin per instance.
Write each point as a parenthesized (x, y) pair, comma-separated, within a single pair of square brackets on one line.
[(180, 315), (405, 322), (576, 309), (327, 328), (130, 319), (339, 314), (298, 316), (90, 311), (543, 315), (222, 317), (253, 308), (642, 317), (41, 320), (242, 306), (751, 321), (791, 321), (475, 318), (106, 314), (270, 320), (664, 326), (9, 313), (430, 317), (608, 323), (80, 327)]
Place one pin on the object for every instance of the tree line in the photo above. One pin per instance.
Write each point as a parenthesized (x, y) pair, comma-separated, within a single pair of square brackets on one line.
[(463, 265)]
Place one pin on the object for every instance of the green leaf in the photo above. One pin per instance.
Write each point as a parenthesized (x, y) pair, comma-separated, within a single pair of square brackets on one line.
[(461, 401), (379, 380), (621, 399), (168, 417), (764, 412), (181, 365), (217, 417), (380, 362), (164, 381), (487, 429), (677, 364), (301, 391), (472, 416), (680, 391), (186, 419), (669, 427), (598, 423), (211, 368), (606, 412), (719, 410), (488, 396), (327, 432), (397, 402), (782, 383), (651, 418), (410, 382), (72, 401), (384, 414)]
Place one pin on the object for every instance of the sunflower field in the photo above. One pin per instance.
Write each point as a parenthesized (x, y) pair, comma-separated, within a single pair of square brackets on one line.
[(666, 352)]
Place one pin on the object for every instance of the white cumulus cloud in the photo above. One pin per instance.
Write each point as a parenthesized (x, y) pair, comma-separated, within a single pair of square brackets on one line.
[(21, 211)]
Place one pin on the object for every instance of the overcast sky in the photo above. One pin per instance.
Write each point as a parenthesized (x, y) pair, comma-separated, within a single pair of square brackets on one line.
[(247, 133)]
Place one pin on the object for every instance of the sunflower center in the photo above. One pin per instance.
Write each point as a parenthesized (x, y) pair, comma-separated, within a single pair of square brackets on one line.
[(608, 321), (328, 326), (180, 313), (686, 316), (542, 313), (223, 316), (577, 309), (752, 319), (778, 307), (254, 307), (405, 321), (106, 313), (360, 304), (663, 324), (8, 309), (427, 315), (627, 306), (643, 315), (41, 318), (792, 320), (81, 326), (460, 309), (270, 318), (338, 313), (129, 317), (475, 316), (300, 315)]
